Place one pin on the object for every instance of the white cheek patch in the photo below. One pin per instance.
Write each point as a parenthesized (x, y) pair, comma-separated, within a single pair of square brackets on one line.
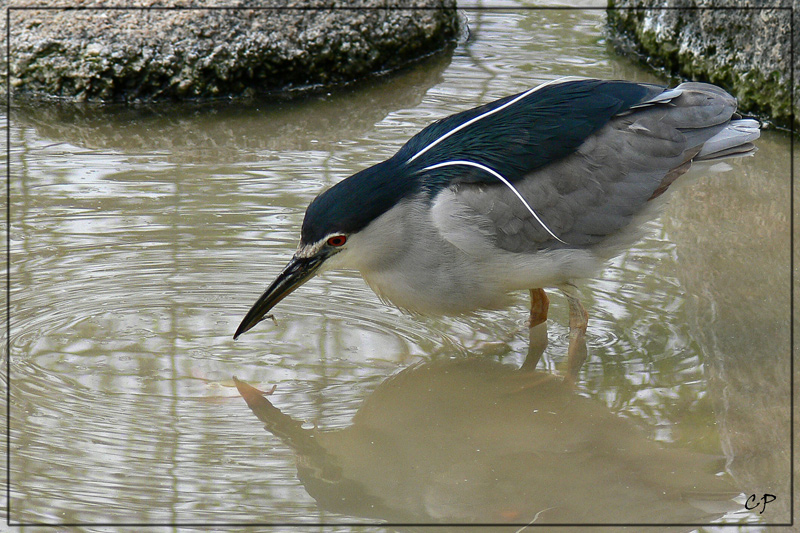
[(310, 250)]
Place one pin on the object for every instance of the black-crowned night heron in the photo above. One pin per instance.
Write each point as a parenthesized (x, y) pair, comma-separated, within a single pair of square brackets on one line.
[(530, 191)]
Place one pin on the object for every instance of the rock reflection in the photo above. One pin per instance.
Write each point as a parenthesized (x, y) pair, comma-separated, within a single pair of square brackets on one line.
[(278, 123), (478, 441)]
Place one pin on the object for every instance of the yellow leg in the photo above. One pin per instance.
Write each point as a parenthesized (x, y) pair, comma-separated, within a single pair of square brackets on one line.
[(538, 328), (539, 306)]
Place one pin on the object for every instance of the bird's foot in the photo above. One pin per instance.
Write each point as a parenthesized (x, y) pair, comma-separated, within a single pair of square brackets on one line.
[(536, 346), (576, 352), (576, 356)]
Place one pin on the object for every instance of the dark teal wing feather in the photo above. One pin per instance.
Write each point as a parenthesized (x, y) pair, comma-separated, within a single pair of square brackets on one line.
[(543, 127)]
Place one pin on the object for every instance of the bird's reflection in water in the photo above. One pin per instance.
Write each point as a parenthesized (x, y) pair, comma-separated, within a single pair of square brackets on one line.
[(477, 441)]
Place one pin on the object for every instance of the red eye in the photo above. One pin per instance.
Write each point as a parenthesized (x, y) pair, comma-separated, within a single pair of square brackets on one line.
[(337, 240)]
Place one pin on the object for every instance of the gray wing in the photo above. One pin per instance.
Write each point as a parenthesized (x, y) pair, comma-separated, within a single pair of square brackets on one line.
[(594, 192)]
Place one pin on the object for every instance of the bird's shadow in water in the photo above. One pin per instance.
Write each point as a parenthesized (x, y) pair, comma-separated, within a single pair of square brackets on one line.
[(473, 440)]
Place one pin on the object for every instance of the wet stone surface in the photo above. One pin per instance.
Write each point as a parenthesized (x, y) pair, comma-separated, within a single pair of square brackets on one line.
[(746, 49), (224, 50)]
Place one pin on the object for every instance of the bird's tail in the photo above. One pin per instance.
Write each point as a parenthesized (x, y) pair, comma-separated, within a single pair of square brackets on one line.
[(733, 141)]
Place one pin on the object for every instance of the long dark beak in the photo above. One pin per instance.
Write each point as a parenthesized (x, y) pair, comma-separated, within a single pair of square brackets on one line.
[(298, 271)]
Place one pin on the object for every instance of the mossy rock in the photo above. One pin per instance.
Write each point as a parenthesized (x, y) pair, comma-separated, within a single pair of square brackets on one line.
[(232, 49), (745, 49)]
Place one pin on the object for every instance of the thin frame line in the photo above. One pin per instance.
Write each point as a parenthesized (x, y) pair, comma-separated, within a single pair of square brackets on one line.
[(791, 264), (390, 8), (392, 524), (8, 266)]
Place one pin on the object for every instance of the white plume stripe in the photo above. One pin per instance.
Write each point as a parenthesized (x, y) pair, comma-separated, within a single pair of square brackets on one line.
[(504, 180), (489, 113)]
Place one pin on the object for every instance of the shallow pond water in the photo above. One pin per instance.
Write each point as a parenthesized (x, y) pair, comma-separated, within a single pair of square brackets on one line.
[(140, 237)]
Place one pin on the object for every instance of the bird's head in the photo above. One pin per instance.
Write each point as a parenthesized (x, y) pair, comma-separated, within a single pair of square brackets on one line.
[(331, 220)]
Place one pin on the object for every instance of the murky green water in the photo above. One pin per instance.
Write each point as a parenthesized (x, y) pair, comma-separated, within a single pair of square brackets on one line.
[(141, 236)]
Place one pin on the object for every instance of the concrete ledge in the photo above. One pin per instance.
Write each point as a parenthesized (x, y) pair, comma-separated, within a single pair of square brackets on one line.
[(158, 53)]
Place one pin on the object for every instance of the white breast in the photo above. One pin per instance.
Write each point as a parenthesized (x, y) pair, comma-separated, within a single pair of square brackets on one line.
[(441, 260)]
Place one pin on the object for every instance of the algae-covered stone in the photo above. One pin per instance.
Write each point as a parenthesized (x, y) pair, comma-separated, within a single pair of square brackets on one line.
[(153, 50), (744, 47)]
